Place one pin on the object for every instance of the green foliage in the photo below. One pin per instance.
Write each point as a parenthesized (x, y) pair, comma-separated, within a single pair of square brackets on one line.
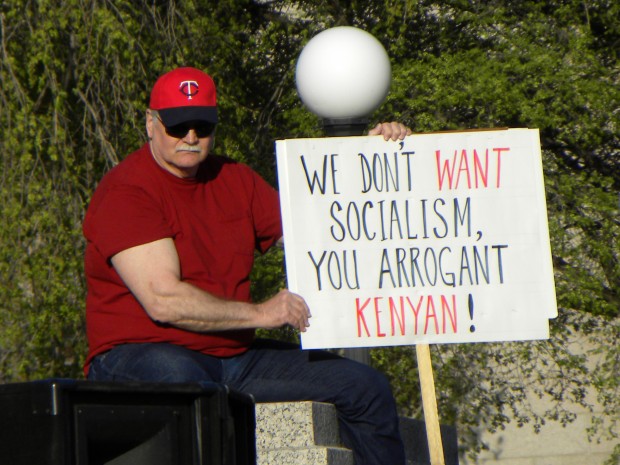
[(74, 83)]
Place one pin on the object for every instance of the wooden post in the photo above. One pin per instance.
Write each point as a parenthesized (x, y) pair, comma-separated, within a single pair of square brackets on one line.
[(429, 402)]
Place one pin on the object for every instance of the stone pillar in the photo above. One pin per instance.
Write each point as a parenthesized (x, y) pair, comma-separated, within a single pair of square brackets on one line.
[(299, 433)]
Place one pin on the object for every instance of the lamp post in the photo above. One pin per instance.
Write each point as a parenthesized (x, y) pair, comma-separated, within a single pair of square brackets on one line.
[(343, 74)]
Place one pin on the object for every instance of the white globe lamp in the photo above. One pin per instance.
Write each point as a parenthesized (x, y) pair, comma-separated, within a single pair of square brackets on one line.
[(343, 74)]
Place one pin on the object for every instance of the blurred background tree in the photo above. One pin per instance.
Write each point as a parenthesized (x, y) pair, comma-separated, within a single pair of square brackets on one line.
[(75, 77)]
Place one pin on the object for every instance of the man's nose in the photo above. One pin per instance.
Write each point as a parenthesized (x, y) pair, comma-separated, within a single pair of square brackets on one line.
[(191, 137)]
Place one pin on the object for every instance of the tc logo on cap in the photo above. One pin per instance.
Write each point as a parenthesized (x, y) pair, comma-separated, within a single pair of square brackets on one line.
[(189, 88)]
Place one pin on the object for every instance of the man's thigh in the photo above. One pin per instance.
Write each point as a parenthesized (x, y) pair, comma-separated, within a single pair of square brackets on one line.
[(273, 371), (156, 362)]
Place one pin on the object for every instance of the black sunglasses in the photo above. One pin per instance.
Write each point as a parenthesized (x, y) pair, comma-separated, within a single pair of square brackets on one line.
[(178, 131)]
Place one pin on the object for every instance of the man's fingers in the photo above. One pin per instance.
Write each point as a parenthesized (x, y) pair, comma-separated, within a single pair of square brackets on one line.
[(292, 310), (303, 312), (394, 130)]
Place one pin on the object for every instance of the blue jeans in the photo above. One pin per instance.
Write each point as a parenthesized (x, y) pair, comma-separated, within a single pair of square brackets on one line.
[(274, 371)]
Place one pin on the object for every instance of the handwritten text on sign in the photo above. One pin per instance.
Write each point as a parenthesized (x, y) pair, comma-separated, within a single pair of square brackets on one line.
[(437, 238)]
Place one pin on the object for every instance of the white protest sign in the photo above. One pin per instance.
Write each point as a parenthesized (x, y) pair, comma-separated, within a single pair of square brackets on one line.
[(439, 238)]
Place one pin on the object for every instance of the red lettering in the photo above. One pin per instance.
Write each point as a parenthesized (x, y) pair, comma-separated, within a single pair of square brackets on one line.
[(377, 311), (445, 308), (499, 162), (447, 169), (457, 171), (416, 312), (479, 169), (360, 317), (398, 321), (430, 313), (394, 316), (463, 167)]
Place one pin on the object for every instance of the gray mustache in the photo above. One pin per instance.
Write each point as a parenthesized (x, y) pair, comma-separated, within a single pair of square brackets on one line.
[(188, 148)]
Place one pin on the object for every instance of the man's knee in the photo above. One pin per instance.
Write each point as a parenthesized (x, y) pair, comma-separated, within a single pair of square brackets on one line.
[(367, 385)]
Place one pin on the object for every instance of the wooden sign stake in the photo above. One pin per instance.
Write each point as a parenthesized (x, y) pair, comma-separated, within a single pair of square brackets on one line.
[(429, 403)]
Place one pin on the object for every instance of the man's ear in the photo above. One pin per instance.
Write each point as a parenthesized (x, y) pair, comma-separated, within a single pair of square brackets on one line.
[(149, 124)]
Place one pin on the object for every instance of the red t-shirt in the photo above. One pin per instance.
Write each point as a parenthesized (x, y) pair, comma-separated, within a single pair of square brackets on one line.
[(217, 220)]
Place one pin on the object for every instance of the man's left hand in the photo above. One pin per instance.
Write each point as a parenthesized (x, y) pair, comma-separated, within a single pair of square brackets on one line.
[(393, 130)]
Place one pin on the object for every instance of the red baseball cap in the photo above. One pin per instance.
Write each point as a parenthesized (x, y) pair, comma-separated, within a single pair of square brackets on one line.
[(184, 94)]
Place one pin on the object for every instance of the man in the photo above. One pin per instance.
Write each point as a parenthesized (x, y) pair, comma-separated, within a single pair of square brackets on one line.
[(171, 234)]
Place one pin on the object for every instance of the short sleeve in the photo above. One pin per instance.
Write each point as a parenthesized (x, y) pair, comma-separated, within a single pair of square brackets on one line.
[(124, 216)]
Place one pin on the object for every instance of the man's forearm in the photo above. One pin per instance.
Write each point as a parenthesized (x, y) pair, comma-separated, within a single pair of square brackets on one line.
[(188, 307)]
